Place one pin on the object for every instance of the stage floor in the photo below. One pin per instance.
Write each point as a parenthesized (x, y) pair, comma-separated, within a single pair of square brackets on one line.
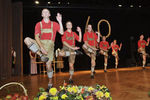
[(124, 83)]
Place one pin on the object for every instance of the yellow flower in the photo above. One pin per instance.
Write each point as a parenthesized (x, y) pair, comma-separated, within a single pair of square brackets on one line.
[(99, 94), (90, 89), (55, 98), (69, 89), (42, 97), (53, 91), (45, 93), (81, 98), (103, 86), (75, 89), (107, 94), (64, 96), (62, 87)]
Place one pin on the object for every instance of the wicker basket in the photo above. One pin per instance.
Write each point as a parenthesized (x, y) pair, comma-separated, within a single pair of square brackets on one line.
[(15, 83)]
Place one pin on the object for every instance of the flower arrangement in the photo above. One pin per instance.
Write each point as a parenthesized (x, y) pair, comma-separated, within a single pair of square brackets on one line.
[(69, 92)]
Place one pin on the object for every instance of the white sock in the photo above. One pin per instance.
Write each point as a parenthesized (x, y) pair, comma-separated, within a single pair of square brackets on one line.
[(92, 69), (50, 74), (75, 53), (50, 85), (41, 55), (67, 53), (71, 72), (144, 63)]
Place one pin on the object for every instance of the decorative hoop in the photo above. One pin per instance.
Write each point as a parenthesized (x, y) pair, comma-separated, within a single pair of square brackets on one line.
[(109, 32), (87, 22)]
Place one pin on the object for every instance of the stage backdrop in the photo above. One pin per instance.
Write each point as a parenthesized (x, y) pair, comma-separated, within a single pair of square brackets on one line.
[(127, 24), (11, 35)]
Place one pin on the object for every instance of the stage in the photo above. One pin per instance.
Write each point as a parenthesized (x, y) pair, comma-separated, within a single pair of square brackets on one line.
[(124, 83)]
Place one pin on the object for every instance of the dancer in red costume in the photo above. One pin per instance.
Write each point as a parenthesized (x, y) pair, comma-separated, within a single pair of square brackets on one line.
[(43, 45), (141, 48), (115, 49), (104, 47), (69, 47), (90, 46)]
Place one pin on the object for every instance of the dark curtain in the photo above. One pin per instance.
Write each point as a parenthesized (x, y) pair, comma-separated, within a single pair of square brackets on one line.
[(11, 27), (5, 38), (17, 37)]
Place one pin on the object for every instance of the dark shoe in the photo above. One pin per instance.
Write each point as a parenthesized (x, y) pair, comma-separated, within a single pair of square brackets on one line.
[(44, 59), (70, 81), (78, 52), (94, 72), (105, 71), (92, 76), (143, 67)]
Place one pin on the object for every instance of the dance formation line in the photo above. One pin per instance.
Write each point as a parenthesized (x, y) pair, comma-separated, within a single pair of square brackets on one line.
[(45, 33)]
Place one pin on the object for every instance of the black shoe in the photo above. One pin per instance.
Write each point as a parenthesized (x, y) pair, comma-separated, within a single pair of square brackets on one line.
[(70, 81), (44, 59), (92, 76), (143, 67), (105, 71), (78, 52), (94, 72)]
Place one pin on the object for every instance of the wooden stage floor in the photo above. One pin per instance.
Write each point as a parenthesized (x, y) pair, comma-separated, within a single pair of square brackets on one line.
[(124, 83)]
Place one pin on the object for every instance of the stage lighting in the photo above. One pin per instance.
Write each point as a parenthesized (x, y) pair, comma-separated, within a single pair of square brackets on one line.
[(140, 6), (68, 3), (37, 2), (131, 6), (119, 5), (49, 2), (59, 3)]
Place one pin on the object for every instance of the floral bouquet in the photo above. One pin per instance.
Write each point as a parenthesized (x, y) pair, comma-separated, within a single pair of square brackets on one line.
[(69, 92)]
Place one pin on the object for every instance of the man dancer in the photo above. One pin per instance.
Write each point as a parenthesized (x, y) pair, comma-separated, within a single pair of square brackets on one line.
[(141, 48), (90, 46), (69, 48), (104, 46), (43, 45), (115, 49)]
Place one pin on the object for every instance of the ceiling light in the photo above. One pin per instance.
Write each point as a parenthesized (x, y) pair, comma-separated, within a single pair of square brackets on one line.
[(37, 2), (131, 6), (59, 3), (49, 2), (119, 5)]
